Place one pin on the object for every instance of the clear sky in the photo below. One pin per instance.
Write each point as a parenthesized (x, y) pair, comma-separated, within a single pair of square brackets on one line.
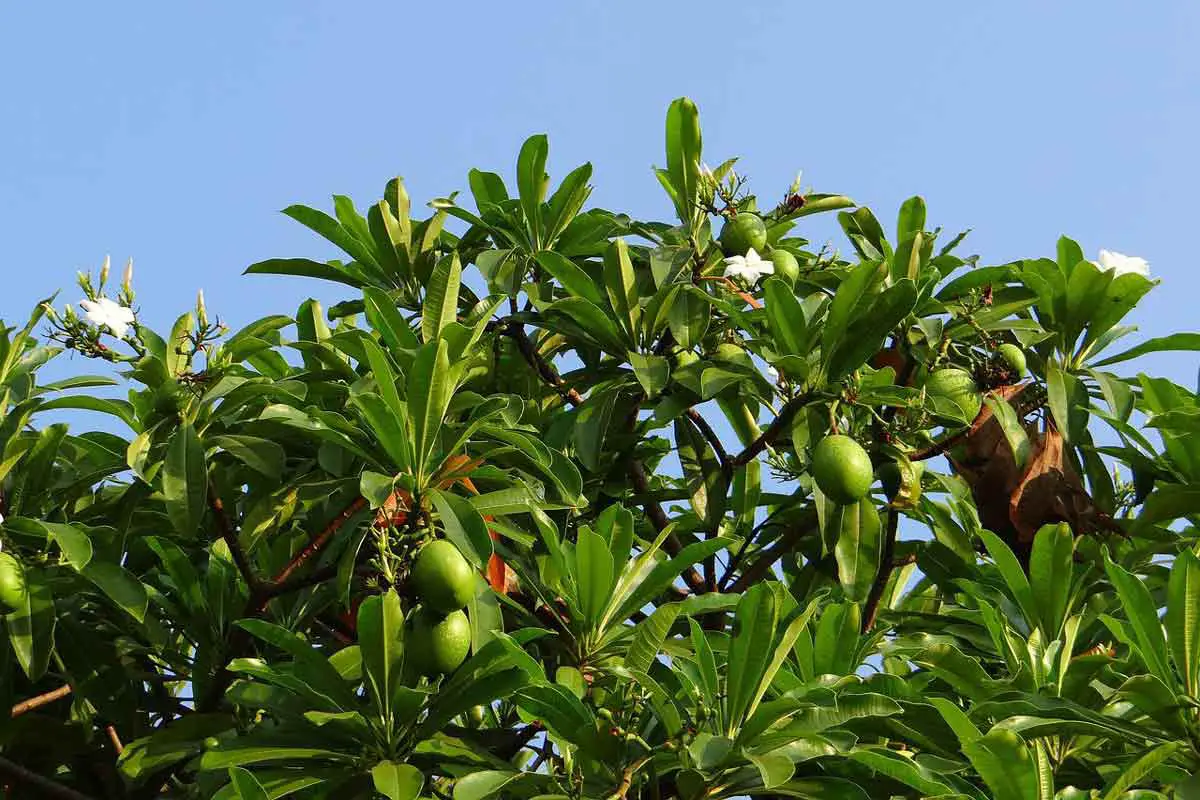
[(174, 132)]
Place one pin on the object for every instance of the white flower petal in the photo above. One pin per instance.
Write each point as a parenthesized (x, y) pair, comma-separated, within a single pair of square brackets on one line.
[(1121, 264), (108, 313)]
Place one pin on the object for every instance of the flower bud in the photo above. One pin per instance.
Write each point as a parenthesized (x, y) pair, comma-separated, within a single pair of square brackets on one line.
[(201, 312), (104, 270), (127, 281)]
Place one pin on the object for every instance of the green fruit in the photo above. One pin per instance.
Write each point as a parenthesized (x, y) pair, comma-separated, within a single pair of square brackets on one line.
[(957, 386), (1013, 356), (743, 233), (12, 583), (436, 644), (443, 579), (786, 265), (901, 482), (842, 469)]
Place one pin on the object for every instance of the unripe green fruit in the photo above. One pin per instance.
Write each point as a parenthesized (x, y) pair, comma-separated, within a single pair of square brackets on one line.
[(786, 265), (13, 590), (1014, 357), (438, 645), (443, 579), (743, 233), (957, 386), (841, 469)]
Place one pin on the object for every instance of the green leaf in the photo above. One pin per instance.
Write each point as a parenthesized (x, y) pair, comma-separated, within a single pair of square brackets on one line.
[(1140, 768), (428, 391), (911, 219), (31, 627), (858, 548), (397, 781), (621, 285), (464, 526), (653, 372), (866, 332), (381, 642), (566, 202), (1004, 762), (1051, 566), (684, 147), (484, 783), (185, 480), (576, 282), (785, 317), (381, 312), (257, 754), (261, 455), (441, 298), (120, 586), (850, 295), (901, 768), (749, 651), (306, 268), (594, 574), (1014, 576), (246, 785), (648, 637), (1176, 341), (531, 183), (1142, 614), (1010, 425), (1183, 618)]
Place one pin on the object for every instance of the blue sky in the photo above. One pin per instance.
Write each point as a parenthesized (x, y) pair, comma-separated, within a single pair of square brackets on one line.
[(174, 132)]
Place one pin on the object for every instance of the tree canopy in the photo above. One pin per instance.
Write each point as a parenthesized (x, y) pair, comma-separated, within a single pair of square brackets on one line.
[(559, 503)]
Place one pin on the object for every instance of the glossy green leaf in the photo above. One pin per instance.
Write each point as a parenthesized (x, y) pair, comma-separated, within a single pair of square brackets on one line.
[(185, 480)]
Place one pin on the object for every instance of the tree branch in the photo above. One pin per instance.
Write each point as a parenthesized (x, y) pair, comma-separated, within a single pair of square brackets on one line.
[(773, 431), (710, 436), (38, 784), (759, 568), (42, 699), (231, 540), (318, 544), (886, 565)]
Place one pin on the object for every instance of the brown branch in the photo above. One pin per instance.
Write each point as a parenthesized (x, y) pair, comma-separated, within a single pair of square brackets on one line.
[(710, 436), (318, 544), (886, 565), (39, 785), (232, 541), (773, 431), (41, 700), (759, 568)]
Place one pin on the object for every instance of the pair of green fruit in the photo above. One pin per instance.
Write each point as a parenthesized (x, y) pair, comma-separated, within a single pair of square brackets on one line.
[(747, 232), (439, 636)]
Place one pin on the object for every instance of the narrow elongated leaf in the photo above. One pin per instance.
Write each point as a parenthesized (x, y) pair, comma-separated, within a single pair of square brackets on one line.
[(749, 650), (246, 785), (185, 480), (1183, 618), (1012, 573), (31, 626), (1006, 765), (381, 642), (464, 526), (594, 574), (1140, 768), (1050, 575), (428, 391), (1176, 341), (621, 286), (858, 548), (531, 183), (1142, 614), (648, 637), (577, 282), (441, 298)]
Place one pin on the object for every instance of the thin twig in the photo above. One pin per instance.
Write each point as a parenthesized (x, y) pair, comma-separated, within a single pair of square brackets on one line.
[(318, 543), (886, 565), (39, 784), (231, 540), (710, 436), (759, 568), (773, 431), (41, 700), (115, 739)]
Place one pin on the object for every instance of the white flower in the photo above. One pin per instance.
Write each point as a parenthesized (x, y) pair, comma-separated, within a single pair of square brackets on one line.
[(749, 268), (1120, 264), (109, 313)]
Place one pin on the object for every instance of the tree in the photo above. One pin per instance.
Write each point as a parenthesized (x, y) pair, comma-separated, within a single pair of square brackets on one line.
[(568, 504)]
